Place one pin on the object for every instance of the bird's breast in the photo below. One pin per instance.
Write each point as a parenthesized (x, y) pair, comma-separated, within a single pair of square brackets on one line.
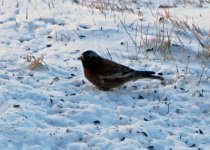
[(91, 76)]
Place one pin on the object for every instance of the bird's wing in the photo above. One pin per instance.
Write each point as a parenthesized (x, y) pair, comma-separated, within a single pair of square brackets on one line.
[(112, 70)]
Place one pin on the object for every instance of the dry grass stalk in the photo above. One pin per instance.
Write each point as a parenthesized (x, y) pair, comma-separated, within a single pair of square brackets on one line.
[(165, 15), (36, 63)]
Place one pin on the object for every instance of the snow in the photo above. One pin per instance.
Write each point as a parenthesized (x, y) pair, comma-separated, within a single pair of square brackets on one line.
[(55, 107)]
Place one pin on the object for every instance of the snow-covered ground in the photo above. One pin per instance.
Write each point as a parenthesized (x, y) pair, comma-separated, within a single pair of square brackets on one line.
[(54, 107)]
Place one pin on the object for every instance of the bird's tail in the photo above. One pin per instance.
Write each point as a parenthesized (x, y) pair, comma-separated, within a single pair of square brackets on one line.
[(148, 74)]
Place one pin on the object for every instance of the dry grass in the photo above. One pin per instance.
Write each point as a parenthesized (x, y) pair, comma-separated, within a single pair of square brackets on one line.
[(35, 63), (195, 33), (125, 5), (113, 6), (162, 41)]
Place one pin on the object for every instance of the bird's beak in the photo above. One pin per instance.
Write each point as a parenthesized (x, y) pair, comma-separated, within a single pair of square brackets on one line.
[(81, 57)]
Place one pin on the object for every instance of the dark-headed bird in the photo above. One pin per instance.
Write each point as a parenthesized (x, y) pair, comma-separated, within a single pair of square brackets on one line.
[(107, 74)]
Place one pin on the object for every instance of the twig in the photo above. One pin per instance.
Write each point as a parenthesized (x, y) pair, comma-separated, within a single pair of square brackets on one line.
[(201, 75), (110, 56), (128, 32)]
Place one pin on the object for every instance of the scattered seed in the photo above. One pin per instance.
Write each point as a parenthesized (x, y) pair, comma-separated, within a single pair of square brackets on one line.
[(49, 37), (82, 36), (30, 74), (96, 122), (73, 75), (60, 106), (144, 134), (149, 50), (165, 99), (151, 147), (56, 78), (83, 26), (193, 145), (20, 78), (68, 130), (122, 139), (200, 131), (48, 45), (140, 97), (176, 45), (16, 106), (134, 87), (83, 81), (182, 89)]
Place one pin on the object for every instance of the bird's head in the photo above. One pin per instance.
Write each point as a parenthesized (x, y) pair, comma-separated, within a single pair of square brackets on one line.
[(88, 55), (89, 58)]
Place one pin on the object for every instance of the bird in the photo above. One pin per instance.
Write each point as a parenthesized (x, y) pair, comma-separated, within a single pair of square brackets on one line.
[(107, 74)]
